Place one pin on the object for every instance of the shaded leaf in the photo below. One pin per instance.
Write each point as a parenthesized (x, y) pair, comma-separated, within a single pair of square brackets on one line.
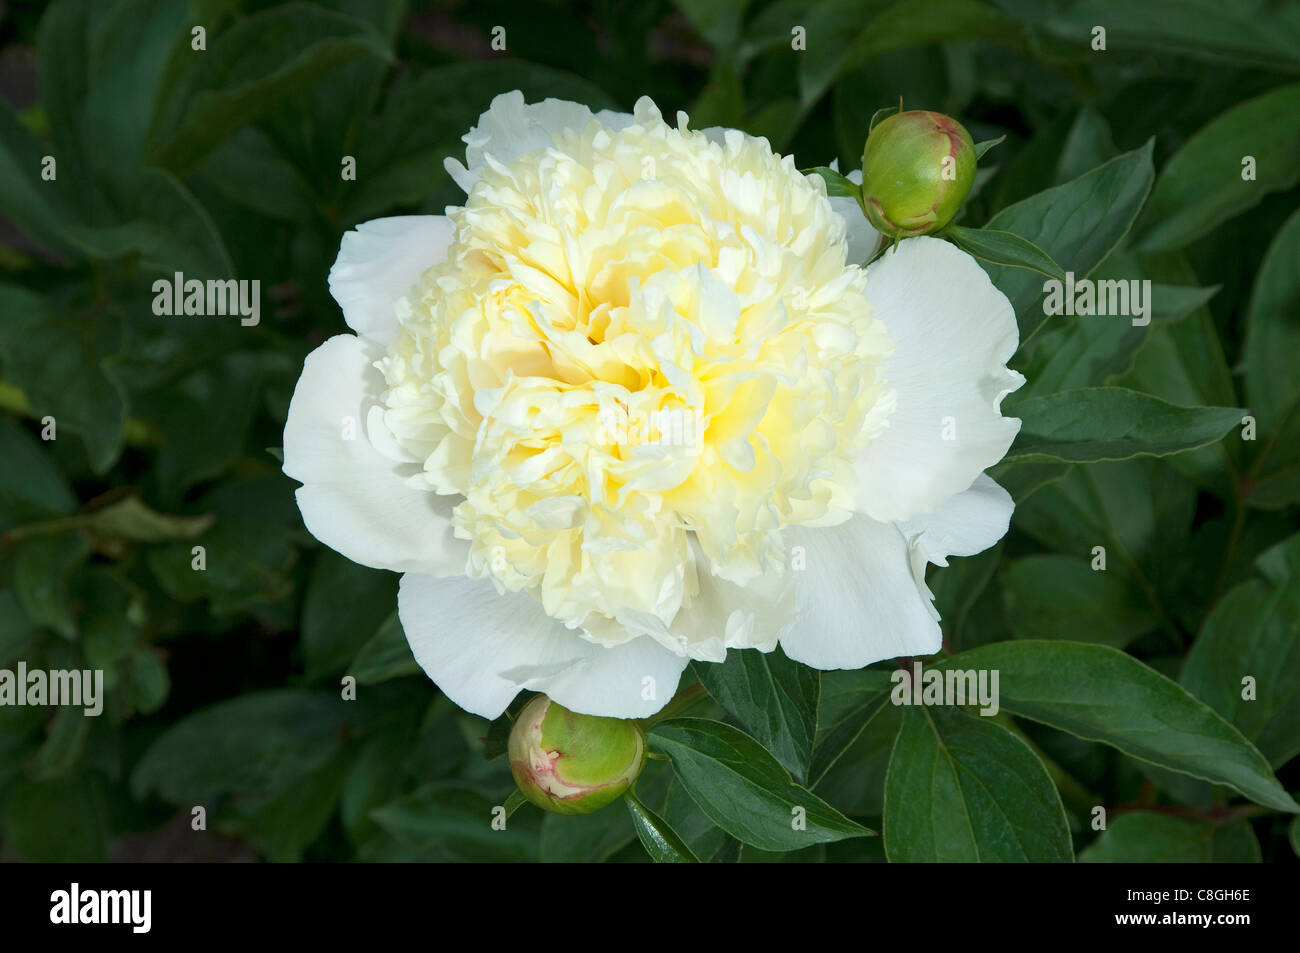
[(657, 837), (962, 788), (744, 790), (1101, 694), (773, 698), (1111, 423), (1149, 838)]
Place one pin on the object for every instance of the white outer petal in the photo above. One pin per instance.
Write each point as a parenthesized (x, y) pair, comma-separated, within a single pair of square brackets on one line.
[(380, 262), (857, 601), (482, 648), (354, 499), (953, 334), (510, 128), (964, 525), (862, 237)]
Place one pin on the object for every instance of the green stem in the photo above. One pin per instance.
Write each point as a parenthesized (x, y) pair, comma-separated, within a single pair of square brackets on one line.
[(681, 703), (514, 801), (42, 528)]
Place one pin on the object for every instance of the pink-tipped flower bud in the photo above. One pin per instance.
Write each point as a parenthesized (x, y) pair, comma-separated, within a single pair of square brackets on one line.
[(571, 763), (917, 167)]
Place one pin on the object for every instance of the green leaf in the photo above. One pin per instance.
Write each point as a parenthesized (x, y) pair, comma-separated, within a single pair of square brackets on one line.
[(345, 605), (1183, 362), (1139, 510), (776, 122), (1087, 145), (57, 821), (659, 840), (744, 790), (1278, 563), (856, 780), (1111, 423), (108, 620), (1093, 351), (63, 46), (850, 34), (1086, 352), (33, 204), (1077, 224), (41, 571), (1254, 32), (134, 520), (1271, 354), (294, 818), (850, 701), (959, 586), (197, 445), (17, 632), (150, 681), (247, 553), (256, 63), (385, 655), (1062, 597), (916, 75), (31, 486), (400, 151), (1254, 631), (1202, 185), (66, 365), (885, 113), (962, 788), (249, 170), (987, 144), (1003, 248), (377, 775), (1101, 694), (584, 838), (1275, 480), (63, 747), (170, 232), (773, 698), (705, 839), (1023, 480), (1144, 837), (260, 743), (718, 21), (836, 184), (129, 55), (457, 821), (1293, 832)]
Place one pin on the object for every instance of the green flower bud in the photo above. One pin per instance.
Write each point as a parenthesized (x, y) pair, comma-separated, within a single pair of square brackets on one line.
[(917, 167), (570, 763)]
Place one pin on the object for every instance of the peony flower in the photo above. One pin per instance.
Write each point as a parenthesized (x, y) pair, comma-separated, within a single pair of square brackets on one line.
[(636, 403)]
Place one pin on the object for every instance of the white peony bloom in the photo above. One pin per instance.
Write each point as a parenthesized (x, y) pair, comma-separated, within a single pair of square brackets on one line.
[(636, 403)]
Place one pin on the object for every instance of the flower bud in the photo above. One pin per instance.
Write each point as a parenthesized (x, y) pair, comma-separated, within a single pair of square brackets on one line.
[(917, 167), (571, 763)]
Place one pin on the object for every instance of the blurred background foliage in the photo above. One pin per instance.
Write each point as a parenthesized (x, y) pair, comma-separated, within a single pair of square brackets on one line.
[(223, 685)]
